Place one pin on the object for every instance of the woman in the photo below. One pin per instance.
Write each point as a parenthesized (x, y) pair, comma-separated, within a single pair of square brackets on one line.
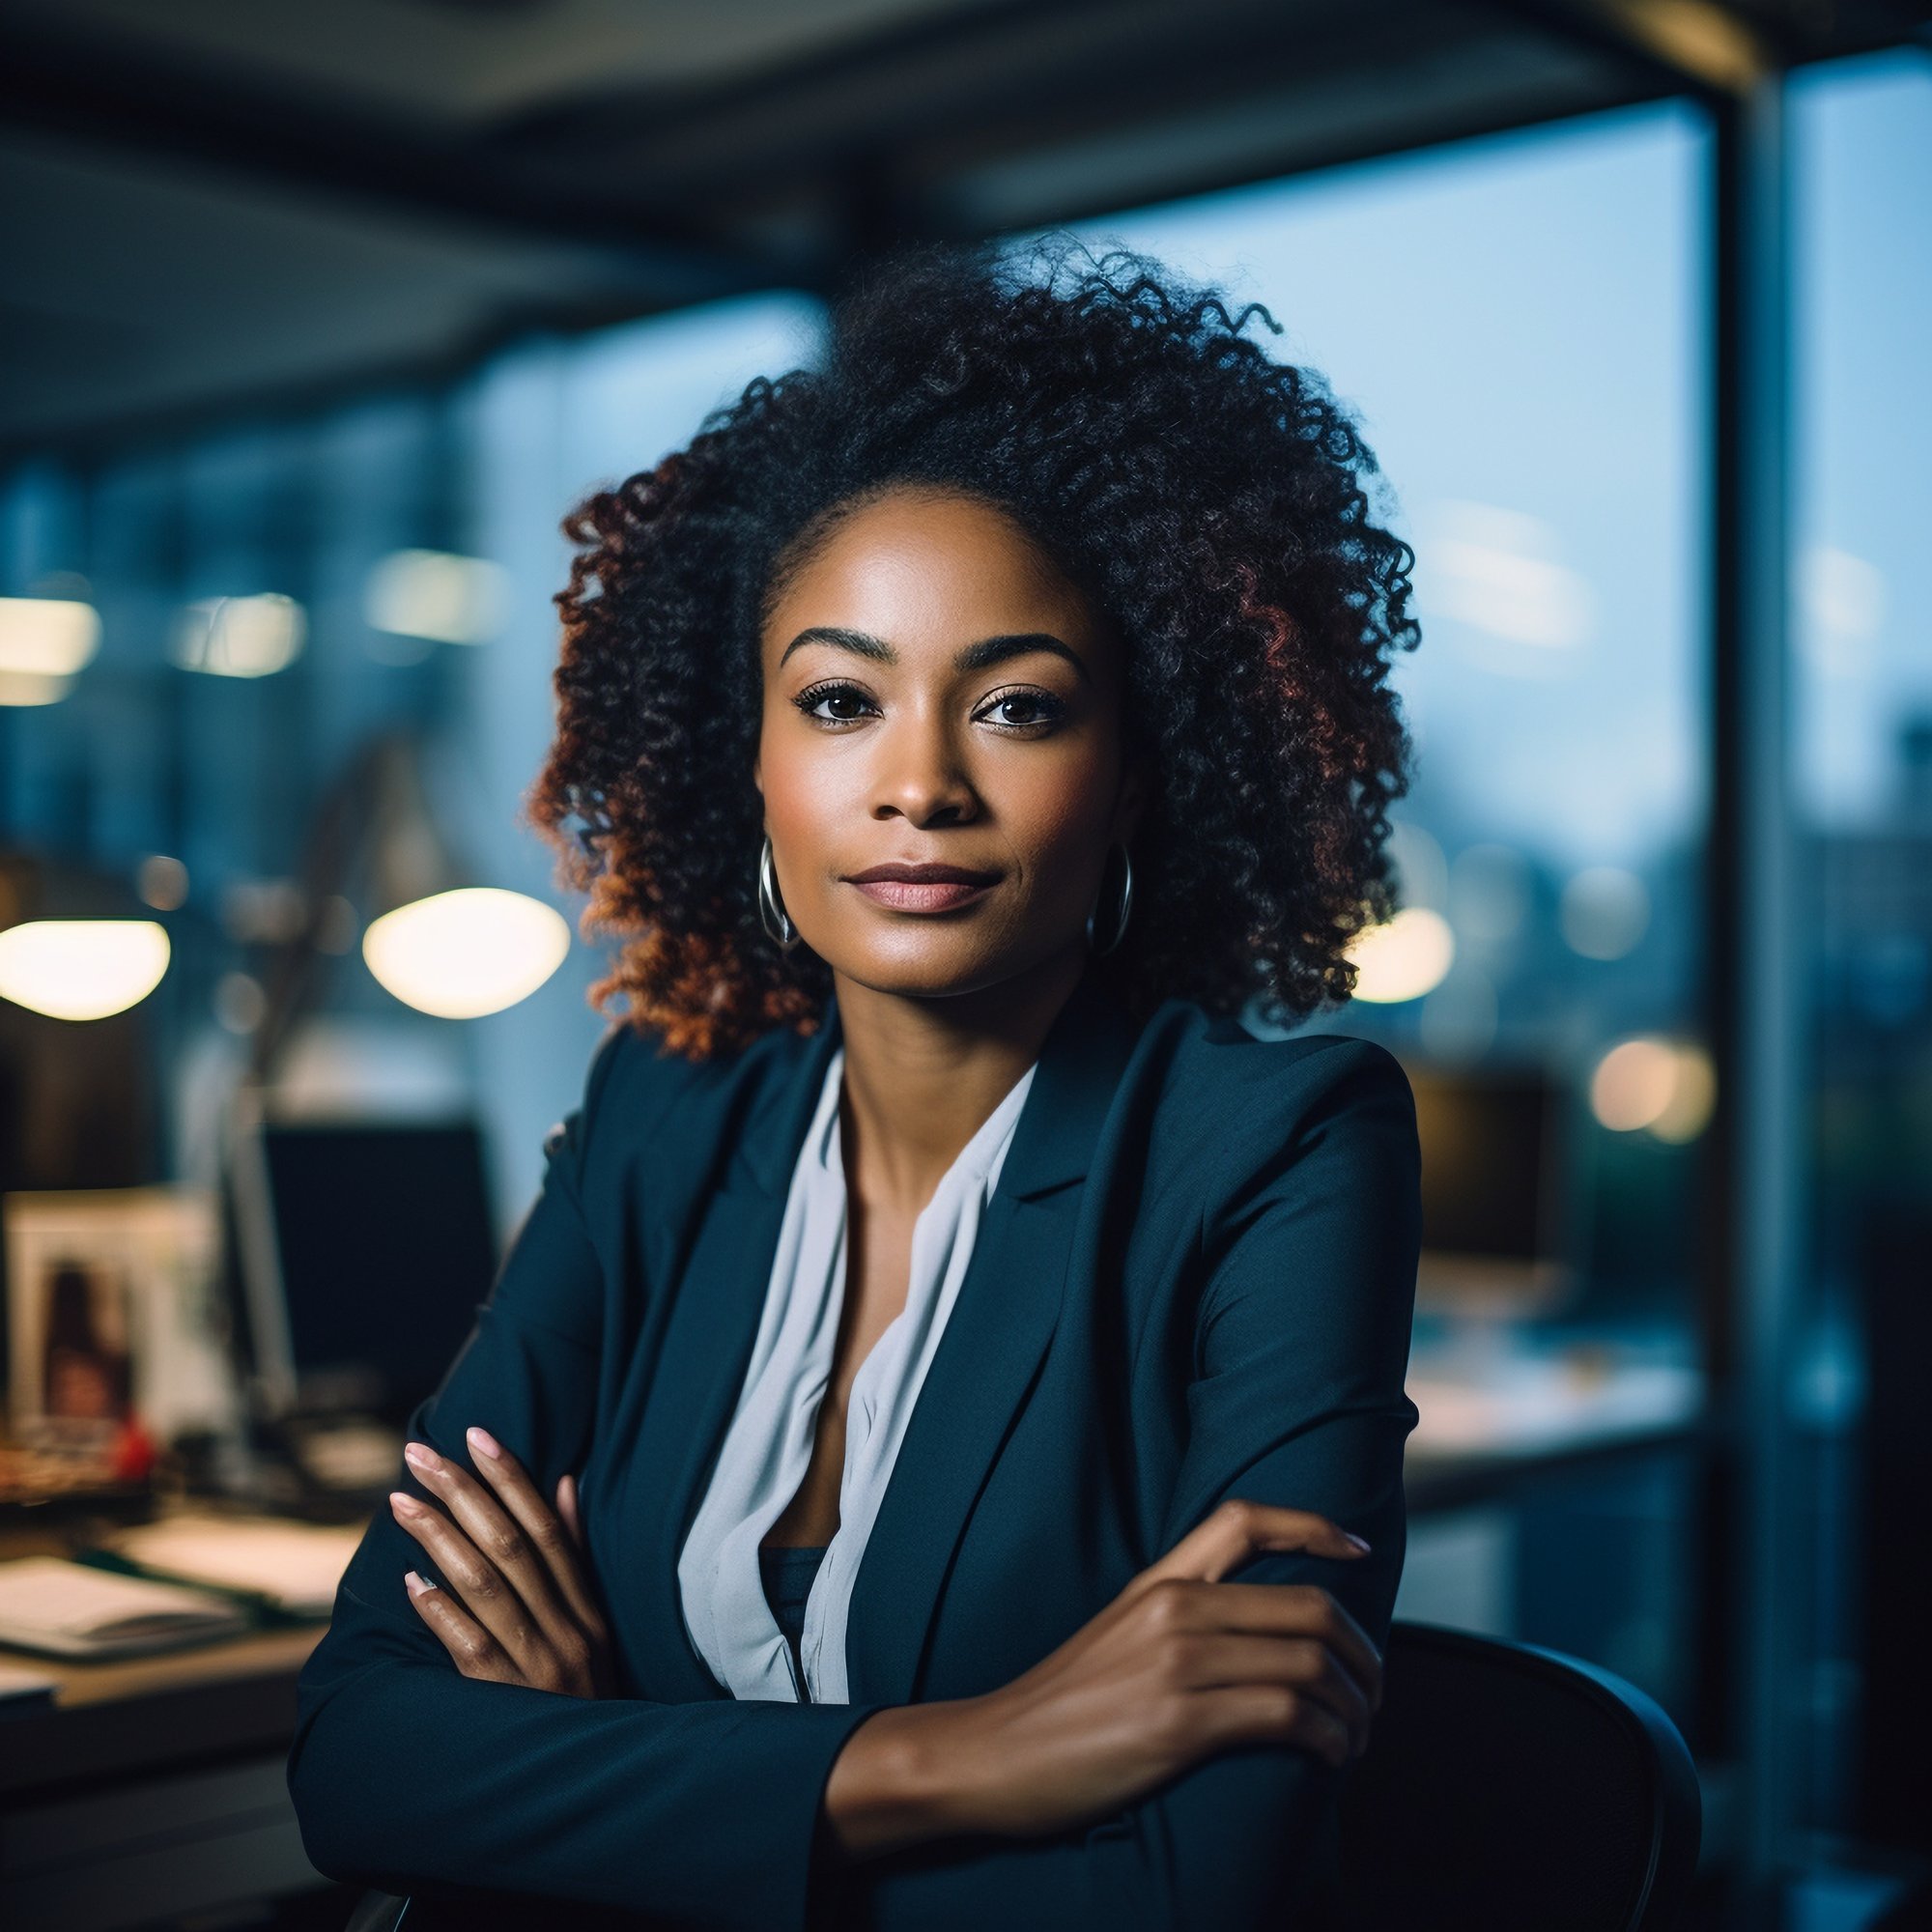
[(933, 1454)]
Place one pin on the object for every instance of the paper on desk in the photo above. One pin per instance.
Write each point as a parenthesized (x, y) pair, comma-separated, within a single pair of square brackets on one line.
[(295, 1566), (75, 1610), (1523, 1406)]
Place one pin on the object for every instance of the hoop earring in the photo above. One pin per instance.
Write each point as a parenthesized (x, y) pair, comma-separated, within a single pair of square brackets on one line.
[(772, 914), (1126, 904)]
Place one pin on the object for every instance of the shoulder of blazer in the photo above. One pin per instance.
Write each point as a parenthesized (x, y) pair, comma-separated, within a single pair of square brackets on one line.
[(1222, 1052), (1233, 1100), (634, 1084)]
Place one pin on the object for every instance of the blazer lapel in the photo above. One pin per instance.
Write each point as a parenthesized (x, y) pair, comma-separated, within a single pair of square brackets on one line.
[(707, 1343), (998, 1329), (995, 1338)]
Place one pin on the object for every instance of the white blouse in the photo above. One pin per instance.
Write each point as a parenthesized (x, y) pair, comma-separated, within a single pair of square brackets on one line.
[(769, 1443)]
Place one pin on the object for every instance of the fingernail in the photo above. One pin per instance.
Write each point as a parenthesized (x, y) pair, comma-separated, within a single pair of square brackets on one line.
[(416, 1585), (420, 1456), (402, 1499), (484, 1443), (1355, 1538)]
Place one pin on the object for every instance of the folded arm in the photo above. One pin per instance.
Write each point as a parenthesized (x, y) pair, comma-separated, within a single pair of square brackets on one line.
[(1298, 1398), (410, 1776)]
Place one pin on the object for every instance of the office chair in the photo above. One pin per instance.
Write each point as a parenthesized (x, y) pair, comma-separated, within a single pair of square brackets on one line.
[(379, 1911), (1505, 1785)]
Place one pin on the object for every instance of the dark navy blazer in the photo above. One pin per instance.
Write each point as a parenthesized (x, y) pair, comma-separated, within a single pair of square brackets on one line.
[(1194, 1280)]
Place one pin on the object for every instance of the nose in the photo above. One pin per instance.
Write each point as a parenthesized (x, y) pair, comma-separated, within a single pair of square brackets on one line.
[(919, 774)]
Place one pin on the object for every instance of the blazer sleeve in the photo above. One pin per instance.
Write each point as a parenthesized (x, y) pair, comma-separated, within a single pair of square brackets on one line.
[(1298, 1398), (409, 1776)]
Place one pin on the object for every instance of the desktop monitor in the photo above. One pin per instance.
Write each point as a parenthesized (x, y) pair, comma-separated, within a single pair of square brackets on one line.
[(363, 1250), (1499, 1217)]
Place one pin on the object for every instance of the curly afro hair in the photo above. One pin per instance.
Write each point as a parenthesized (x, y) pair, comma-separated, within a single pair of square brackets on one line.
[(1211, 501)]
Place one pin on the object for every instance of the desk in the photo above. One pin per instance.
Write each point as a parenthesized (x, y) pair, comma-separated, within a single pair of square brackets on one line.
[(1517, 1430), (153, 1785), (1517, 1418)]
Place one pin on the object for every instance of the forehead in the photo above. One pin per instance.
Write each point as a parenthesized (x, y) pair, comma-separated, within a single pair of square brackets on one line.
[(919, 564)]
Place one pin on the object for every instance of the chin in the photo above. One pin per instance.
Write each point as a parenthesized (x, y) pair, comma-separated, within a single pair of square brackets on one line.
[(924, 980), (936, 966)]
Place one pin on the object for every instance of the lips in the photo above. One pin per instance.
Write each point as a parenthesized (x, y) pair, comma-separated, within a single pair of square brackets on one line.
[(929, 888), (926, 874)]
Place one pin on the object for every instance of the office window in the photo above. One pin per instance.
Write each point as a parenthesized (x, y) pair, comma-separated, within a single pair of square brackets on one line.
[(1520, 325), (1517, 323)]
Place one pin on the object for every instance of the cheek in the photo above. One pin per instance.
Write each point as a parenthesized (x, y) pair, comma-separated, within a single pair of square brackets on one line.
[(1056, 813), (795, 789)]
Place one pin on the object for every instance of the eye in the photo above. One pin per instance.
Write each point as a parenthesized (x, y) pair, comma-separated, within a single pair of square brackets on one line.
[(809, 701), (1045, 707)]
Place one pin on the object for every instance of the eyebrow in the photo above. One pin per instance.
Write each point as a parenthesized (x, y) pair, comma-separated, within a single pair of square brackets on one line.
[(970, 657)]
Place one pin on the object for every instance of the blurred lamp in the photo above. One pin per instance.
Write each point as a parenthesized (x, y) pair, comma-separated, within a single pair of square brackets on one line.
[(438, 595), (240, 636), (465, 953), (68, 949), (1404, 957), (437, 940), (1666, 1087), (43, 643)]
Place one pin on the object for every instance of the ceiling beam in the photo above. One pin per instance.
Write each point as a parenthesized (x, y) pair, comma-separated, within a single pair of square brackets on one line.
[(1712, 49), (1718, 49), (144, 99)]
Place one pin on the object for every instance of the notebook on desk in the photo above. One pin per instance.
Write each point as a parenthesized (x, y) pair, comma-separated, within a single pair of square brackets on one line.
[(293, 1567), (73, 1609)]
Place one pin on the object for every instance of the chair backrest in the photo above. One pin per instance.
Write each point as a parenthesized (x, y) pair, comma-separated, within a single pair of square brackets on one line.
[(379, 1911), (1506, 1786)]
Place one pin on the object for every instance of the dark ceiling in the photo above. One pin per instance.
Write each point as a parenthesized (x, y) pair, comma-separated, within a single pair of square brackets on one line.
[(211, 203)]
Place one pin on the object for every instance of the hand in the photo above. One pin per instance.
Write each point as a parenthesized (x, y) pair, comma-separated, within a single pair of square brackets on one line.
[(516, 1565), (1179, 1666)]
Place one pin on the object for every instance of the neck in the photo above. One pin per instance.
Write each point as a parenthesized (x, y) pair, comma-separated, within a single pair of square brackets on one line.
[(923, 1072)]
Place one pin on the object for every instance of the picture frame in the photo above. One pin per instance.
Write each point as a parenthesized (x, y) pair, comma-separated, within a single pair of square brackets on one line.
[(112, 1310)]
